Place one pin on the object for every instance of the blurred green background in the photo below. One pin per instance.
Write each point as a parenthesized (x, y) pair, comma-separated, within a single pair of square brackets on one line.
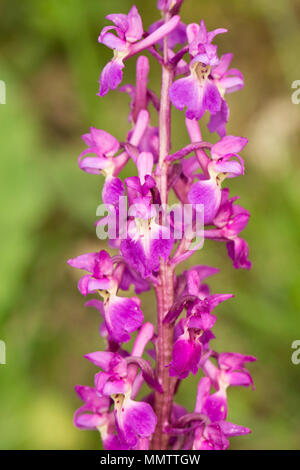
[(50, 61)]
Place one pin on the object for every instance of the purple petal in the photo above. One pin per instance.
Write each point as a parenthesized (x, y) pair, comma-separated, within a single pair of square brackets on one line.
[(93, 165), (144, 254), (135, 27), (205, 321), (88, 285), (215, 407), (240, 379), (219, 70), (218, 121), (135, 420), (238, 223), (112, 41), (88, 420), (122, 317), (234, 360), (112, 387), (86, 262), (232, 83), (111, 77), (101, 359), (130, 276), (119, 19), (230, 429), (228, 145), (97, 304), (104, 142), (188, 92), (238, 251), (113, 442), (185, 358), (212, 34), (212, 99), (231, 168), (92, 399), (207, 193), (203, 390), (113, 189)]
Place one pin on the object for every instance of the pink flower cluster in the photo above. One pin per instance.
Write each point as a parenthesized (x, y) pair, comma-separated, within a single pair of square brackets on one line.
[(147, 257)]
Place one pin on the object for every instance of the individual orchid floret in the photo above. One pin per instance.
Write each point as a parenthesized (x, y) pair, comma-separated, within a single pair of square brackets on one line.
[(134, 420), (200, 43), (96, 414), (229, 221), (193, 333), (147, 241), (105, 161), (231, 371), (127, 42), (225, 163), (129, 29), (104, 146), (213, 430), (186, 353), (122, 315), (198, 92), (227, 81)]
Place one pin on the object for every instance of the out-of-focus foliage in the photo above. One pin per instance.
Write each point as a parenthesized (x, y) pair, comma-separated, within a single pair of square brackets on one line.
[(50, 62)]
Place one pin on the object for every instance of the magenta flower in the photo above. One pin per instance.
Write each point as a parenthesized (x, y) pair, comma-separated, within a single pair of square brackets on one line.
[(227, 81), (134, 420), (229, 221), (122, 315), (213, 432), (94, 413), (127, 42), (147, 241), (193, 333), (225, 163), (198, 92), (104, 146)]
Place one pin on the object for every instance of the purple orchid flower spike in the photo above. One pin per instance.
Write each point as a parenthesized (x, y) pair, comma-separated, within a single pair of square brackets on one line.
[(150, 240), (126, 43)]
